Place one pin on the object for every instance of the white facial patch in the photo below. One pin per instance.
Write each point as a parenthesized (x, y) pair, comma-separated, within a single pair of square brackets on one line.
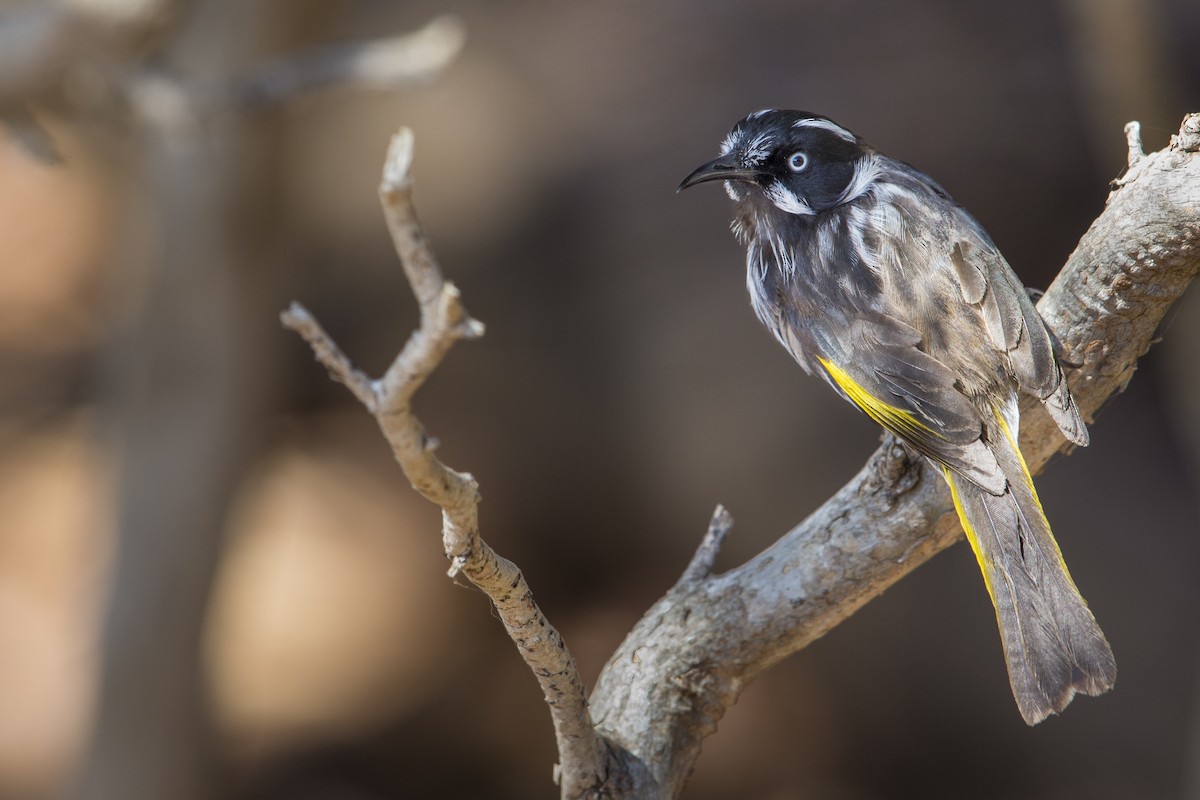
[(756, 150), (787, 200), (826, 125), (730, 141), (866, 170), (751, 154)]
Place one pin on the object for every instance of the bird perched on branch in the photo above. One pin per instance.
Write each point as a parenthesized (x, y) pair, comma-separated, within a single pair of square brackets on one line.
[(875, 279)]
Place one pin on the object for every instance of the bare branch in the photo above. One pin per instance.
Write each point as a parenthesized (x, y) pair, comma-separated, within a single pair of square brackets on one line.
[(1133, 140), (341, 369), (685, 662), (705, 557), (82, 55), (40, 43), (582, 753), (30, 134), (380, 63)]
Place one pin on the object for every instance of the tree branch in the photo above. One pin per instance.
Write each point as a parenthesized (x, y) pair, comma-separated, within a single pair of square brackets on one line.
[(668, 684), (685, 662), (444, 321), (705, 557), (42, 42), (46, 48), (384, 63)]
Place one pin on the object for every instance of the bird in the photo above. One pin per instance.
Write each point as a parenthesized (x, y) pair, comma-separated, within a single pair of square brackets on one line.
[(874, 279)]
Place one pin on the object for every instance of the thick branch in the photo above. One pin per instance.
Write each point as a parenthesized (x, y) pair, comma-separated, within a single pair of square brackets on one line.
[(686, 661), (444, 321)]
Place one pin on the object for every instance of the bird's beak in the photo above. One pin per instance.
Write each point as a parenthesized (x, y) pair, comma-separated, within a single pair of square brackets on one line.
[(724, 168)]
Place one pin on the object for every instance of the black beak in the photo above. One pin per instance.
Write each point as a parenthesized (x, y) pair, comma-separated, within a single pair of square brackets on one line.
[(724, 168)]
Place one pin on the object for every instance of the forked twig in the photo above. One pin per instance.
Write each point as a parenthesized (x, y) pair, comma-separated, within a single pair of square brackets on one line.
[(444, 321)]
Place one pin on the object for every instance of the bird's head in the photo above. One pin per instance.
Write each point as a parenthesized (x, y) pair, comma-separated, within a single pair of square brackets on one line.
[(802, 163)]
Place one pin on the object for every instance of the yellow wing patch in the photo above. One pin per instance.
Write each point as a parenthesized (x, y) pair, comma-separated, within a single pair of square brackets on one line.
[(900, 421)]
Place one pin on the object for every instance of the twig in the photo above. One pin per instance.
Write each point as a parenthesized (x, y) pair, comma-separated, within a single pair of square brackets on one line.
[(582, 753), (380, 63), (1133, 139), (705, 557), (40, 43), (30, 134), (82, 57), (298, 319)]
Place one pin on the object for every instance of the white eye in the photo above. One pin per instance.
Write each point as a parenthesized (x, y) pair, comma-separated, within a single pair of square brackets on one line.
[(798, 161)]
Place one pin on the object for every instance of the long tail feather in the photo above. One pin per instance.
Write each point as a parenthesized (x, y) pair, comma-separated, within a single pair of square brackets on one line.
[(1052, 644)]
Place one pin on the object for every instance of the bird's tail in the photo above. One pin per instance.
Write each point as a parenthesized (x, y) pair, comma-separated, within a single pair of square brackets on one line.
[(1052, 644)]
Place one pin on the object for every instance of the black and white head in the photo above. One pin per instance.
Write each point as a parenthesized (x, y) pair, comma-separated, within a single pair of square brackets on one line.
[(802, 163)]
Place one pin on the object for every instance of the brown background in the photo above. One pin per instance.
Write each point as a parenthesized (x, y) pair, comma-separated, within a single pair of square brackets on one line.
[(623, 389)]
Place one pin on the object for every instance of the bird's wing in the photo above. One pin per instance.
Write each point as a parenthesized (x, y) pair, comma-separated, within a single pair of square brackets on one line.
[(1013, 324), (882, 369)]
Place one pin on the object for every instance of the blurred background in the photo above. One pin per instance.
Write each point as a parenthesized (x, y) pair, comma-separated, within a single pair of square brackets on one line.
[(215, 582)]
